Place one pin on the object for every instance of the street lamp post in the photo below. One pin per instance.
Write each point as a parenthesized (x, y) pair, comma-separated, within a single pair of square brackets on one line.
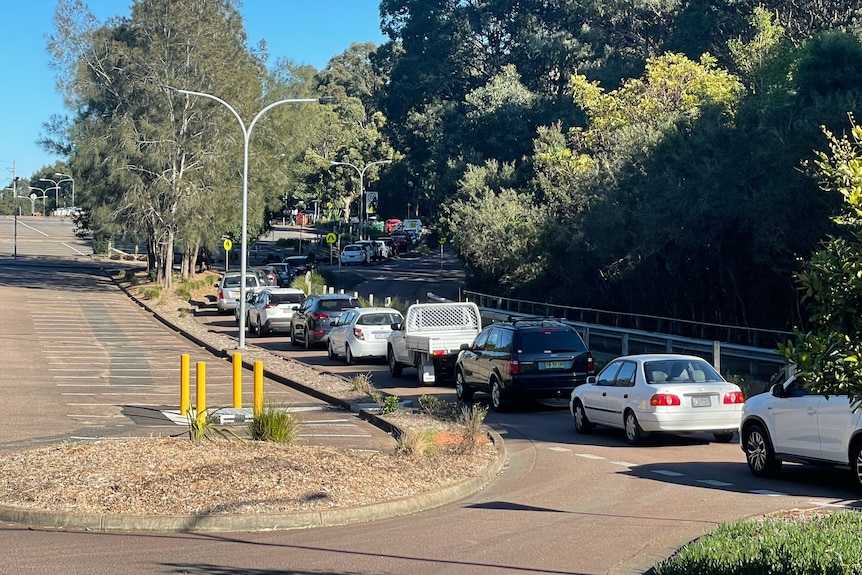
[(56, 188), (246, 132), (68, 179), (361, 185), (43, 196)]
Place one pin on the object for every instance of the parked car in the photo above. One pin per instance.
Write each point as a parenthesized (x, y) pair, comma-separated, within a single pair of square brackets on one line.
[(285, 273), (353, 254), (272, 309), (311, 323), (228, 287), (648, 393), (362, 333), (402, 242), (525, 358), (372, 248), (268, 273), (391, 225), (301, 264), (792, 423)]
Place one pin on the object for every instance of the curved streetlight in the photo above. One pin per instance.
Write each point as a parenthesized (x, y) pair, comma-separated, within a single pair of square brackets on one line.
[(246, 132), (361, 185), (43, 196), (56, 188), (68, 179)]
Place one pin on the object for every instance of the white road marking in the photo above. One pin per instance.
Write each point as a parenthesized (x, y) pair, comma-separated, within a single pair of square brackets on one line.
[(768, 493), (714, 483), (558, 449), (624, 463), (668, 473), (589, 456)]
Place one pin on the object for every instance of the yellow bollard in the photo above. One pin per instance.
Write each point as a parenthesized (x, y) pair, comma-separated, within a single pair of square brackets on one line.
[(185, 400), (258, 388), (201, 391), (237, 380)]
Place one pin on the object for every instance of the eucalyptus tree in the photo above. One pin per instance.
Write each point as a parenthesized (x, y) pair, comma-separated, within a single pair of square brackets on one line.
[(166, 165)]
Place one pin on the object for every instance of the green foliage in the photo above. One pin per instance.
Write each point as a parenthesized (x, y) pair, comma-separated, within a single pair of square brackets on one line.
[(418, 443), (828, 357), (822, 543), (319, 280), (201, 427), (151, 292), (274, 423), (390, 404), (471, 420), (437, 407)]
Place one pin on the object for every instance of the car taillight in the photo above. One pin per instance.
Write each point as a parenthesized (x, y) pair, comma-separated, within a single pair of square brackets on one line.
[(591, 365), (733, 397), (220, 294), (357, 333), (663, 399), (439, 352), (270, 305), (513, 367), (319, 316)]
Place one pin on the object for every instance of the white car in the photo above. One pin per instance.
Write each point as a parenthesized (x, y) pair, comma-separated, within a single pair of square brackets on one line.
[(791, 423), (664, 392), (362, 333), (353, 254), (227, 297), (272, 309)]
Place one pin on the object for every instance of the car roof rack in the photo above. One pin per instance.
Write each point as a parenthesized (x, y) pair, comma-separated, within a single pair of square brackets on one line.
[(532, 318)]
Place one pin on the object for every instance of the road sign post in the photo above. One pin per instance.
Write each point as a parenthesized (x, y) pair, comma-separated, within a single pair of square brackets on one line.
[(331, 238), (228, 245)]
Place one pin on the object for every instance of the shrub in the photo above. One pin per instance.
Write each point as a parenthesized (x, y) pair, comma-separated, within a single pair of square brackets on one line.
[(823, 543), (151, 292), (390, 404), (434, 406), (471, 420), (418, 442), (274, 423), (203, 427)]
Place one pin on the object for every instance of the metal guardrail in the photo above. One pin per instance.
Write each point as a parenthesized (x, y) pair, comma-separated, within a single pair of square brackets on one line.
[(611, 334)]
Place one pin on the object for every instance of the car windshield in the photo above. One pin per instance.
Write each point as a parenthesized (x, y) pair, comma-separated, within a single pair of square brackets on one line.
[(233, 281), (278, 298), (379, 319), (551, 341), (681, 371)]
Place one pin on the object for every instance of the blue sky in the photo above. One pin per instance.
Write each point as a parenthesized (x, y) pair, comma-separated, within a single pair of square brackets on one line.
[(304, 31)]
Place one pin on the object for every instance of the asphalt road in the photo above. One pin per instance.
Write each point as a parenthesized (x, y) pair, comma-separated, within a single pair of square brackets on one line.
[(565, 504)]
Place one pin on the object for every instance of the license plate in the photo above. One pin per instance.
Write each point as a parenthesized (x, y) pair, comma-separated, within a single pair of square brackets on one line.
[(381, 335), (701, 401), (555, 364)]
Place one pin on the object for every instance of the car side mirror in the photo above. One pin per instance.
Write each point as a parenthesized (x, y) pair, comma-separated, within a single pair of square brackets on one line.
[(591, 380), (396, 327), (778, 390), (465, 346), (333, 323)]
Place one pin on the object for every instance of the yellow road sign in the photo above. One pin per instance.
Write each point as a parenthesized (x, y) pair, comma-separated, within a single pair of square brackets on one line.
[(227, 244), (331, 238)]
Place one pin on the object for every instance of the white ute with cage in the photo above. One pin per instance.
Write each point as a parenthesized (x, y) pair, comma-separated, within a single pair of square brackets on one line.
[(430, 338)]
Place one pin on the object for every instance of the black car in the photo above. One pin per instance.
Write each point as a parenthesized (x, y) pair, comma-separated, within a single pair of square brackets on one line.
[(524, 358), (301, 264), (311, 323)]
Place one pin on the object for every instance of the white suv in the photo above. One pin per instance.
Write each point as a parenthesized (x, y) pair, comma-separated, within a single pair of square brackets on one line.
[(792, 423)]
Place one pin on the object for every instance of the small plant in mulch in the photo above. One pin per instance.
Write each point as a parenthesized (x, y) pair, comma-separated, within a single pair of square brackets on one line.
[(274, 423), (390, 404), (151, 292), (418, 443), (471, 420), (361, 383), (439, 408), (202, 427)]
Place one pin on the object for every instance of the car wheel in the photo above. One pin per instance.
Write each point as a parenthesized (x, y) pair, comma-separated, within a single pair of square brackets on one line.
[(293, 337), (462, 391), (394, 366), (759, 453), (582, 422), (331, 352), (348, 356), (634, 434), (498, 400), (306, 340), (856, 463), (725, 437)]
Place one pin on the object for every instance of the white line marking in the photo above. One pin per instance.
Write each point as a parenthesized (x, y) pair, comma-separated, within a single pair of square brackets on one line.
[(624, 463), (558, 449), (589, 456), (768, 493), (714, 483), (668, 473)]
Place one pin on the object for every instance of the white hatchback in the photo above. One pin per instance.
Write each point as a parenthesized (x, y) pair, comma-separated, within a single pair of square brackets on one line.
[(362, 333), (272, 310), (353, 254), (792, 423), (662, 392)]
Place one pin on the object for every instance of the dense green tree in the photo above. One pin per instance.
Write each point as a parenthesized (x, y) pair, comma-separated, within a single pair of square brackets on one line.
[(828, 356)]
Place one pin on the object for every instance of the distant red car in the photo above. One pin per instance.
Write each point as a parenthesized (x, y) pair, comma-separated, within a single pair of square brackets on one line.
[(390, 225), (401, 242)]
